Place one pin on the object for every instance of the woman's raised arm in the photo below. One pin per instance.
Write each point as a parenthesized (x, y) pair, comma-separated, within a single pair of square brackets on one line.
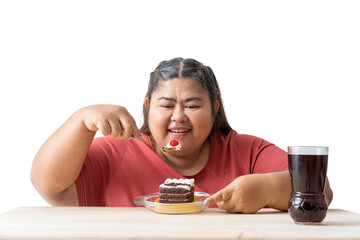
[(58, 162)]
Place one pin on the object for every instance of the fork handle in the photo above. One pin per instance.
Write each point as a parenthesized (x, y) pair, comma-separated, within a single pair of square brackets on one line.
[(141, 139)]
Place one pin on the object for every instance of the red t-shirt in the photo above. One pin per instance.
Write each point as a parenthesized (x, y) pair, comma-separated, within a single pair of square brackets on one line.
[(116, 171)]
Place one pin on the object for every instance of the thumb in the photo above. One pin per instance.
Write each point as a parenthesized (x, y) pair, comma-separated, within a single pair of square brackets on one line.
[(222, 195)]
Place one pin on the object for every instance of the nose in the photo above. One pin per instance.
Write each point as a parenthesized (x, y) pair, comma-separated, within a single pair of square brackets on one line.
[(178, 115)]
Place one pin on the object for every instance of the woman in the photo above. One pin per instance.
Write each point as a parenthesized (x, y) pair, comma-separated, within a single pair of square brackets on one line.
[(183, 102)]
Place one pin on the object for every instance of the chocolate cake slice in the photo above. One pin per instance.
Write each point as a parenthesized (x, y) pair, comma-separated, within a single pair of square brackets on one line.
[(176, 191)]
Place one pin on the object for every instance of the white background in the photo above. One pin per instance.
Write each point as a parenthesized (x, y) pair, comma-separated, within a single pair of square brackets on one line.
[(288, 71)]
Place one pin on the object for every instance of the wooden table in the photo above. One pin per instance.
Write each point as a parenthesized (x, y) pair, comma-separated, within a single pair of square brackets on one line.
[(140, 223)]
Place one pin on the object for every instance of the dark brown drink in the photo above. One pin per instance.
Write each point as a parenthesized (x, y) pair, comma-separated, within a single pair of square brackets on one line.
[(308, 175)]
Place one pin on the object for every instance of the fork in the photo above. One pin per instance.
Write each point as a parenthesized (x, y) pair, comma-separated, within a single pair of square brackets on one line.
[(164, 149)]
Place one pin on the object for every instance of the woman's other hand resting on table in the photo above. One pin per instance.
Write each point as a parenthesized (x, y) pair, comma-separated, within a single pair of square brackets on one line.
[(250, 193)]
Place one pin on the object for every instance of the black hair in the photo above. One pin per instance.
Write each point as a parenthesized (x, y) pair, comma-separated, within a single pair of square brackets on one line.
[(178, 68)]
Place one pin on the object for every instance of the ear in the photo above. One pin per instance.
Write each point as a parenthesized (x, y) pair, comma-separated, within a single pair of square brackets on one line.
[(216, 106), (146, 102)]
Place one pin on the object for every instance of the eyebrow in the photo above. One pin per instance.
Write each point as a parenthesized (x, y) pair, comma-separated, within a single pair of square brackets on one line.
[(186, 100)]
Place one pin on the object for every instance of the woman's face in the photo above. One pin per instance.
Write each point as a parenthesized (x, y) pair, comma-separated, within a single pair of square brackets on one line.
[(181, 109)]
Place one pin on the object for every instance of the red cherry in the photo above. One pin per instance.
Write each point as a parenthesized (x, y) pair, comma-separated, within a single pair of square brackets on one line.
[(174, 143)]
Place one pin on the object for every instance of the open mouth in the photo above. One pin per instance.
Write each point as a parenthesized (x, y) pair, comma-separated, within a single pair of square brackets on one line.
[(179, 130)]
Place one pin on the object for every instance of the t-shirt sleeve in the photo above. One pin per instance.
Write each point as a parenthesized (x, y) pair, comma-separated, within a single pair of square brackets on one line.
[(96, 172), (267, 157)]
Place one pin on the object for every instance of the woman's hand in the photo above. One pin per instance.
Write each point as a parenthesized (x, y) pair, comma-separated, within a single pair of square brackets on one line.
[(110, 120), (59, 161), (250, 193), (246, 194)]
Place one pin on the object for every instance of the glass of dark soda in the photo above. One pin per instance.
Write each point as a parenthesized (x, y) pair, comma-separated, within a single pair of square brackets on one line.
[(308, 167)]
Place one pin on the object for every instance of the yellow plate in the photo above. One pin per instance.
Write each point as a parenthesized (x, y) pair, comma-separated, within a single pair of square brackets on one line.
[(151, 202)]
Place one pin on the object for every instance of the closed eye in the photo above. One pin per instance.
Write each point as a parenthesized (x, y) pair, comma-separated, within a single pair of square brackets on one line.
[(192, 107), (166, 106)]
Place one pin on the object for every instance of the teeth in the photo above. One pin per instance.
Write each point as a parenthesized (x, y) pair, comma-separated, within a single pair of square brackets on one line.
[(179, 130)]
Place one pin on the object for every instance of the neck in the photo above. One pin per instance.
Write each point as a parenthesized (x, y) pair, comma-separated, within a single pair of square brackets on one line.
[(187, 164)]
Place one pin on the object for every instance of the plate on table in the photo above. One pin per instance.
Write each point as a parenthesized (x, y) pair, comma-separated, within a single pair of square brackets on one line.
[(151, 201)]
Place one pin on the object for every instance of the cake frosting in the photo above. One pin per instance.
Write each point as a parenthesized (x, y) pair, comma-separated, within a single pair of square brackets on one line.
[(172, 146)]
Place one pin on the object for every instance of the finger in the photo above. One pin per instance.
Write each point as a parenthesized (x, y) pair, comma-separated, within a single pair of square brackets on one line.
[(135, 129), (137, 134), (230, 208), (104, 127), (220, 196), (116, 129), (127, 128), (227, 205)]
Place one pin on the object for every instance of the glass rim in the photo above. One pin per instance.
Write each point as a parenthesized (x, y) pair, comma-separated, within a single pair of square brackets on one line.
[(308, 150)]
